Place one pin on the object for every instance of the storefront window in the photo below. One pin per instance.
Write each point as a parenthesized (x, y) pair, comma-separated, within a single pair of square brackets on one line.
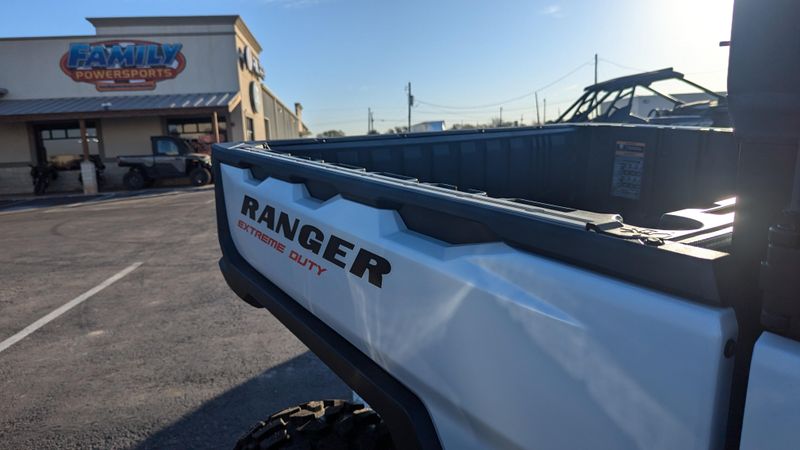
[(198, 131), (60, 144)]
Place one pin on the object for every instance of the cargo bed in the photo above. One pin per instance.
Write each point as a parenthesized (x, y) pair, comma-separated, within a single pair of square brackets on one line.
[(404, 261), (665, 189)]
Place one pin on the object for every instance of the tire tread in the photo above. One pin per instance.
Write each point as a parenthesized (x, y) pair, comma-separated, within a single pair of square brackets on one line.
[(325, 424)]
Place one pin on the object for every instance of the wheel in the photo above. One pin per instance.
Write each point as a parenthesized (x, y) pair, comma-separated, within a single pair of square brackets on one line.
[(133, 180), (200, 176), (41, 186), (329, 424)]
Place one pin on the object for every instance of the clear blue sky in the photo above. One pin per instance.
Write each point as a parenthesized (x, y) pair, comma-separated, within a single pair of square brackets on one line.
[(339, 57)]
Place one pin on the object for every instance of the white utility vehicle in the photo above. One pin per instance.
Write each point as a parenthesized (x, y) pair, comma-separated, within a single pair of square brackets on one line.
[(570, 286)]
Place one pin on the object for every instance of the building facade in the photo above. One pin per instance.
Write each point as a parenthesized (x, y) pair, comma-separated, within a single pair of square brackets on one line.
[(197, 77)]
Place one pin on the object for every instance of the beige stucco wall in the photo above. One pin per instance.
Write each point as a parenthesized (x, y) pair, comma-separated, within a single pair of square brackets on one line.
[(245, 108), (129, 136), (14, 145), (15, 180), (282, 121), (33, 69), (115, 30)]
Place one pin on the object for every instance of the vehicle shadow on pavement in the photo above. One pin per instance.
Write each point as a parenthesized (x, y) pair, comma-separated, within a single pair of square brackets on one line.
[(220, 421)]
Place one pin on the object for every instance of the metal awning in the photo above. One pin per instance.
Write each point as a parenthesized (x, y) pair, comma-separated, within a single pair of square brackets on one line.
[(123, 105)]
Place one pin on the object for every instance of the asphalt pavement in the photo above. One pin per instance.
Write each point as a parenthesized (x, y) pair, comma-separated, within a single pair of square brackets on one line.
[(163, 356)]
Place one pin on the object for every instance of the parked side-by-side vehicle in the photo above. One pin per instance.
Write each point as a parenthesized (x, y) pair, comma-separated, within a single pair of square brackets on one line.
[(171, 157)]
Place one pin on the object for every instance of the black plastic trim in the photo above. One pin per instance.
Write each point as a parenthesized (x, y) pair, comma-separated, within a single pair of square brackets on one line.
[(404, 413), (690, 272)]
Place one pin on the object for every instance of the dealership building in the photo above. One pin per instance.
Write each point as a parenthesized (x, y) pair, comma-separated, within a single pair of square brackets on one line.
[(195, 77)]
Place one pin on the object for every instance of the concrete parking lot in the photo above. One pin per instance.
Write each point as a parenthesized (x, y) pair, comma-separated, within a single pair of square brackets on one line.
[(165, 356)]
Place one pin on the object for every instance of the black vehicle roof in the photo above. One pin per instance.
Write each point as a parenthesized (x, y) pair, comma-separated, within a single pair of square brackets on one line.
[(639, 79)]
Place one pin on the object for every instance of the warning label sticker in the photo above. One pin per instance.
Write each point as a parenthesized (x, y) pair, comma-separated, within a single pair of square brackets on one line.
[(626, 181)]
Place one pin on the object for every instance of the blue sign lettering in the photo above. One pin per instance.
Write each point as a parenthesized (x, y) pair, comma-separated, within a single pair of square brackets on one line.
[(117, 55), (170, 52), (77, 54), (122, 57), (97, 57), (123, 65)]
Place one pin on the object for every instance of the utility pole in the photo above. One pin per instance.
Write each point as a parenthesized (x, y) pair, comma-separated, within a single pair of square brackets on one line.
[(544, 110), (410, 104), (536, 95), (595, 68), (501, 116), (369, 120)]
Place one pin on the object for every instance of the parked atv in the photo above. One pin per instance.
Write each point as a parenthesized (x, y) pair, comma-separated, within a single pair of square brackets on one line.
[(612, 101), (42, 174), (171, 157)]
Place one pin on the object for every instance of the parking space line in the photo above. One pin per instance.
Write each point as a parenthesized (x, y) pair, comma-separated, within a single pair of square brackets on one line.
[(66, 307)]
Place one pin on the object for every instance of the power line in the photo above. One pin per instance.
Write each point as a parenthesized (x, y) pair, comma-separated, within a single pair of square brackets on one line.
[(513, 99), (488, 105), (479, 114), (351, 108), (623, 66), (563, 77)]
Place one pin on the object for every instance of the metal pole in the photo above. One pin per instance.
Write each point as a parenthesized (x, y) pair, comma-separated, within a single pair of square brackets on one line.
[(88, 171), (536, 95), (501, 116), (410, 102), (215, 122), (84, 139), (544, 110), (369, 120), (595, 68)]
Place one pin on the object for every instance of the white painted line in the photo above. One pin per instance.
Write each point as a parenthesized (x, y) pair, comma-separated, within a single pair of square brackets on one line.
[(66, 307), (209, 202)]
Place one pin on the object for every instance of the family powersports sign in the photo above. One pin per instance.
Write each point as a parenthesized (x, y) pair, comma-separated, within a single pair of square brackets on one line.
[(119, 65)]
